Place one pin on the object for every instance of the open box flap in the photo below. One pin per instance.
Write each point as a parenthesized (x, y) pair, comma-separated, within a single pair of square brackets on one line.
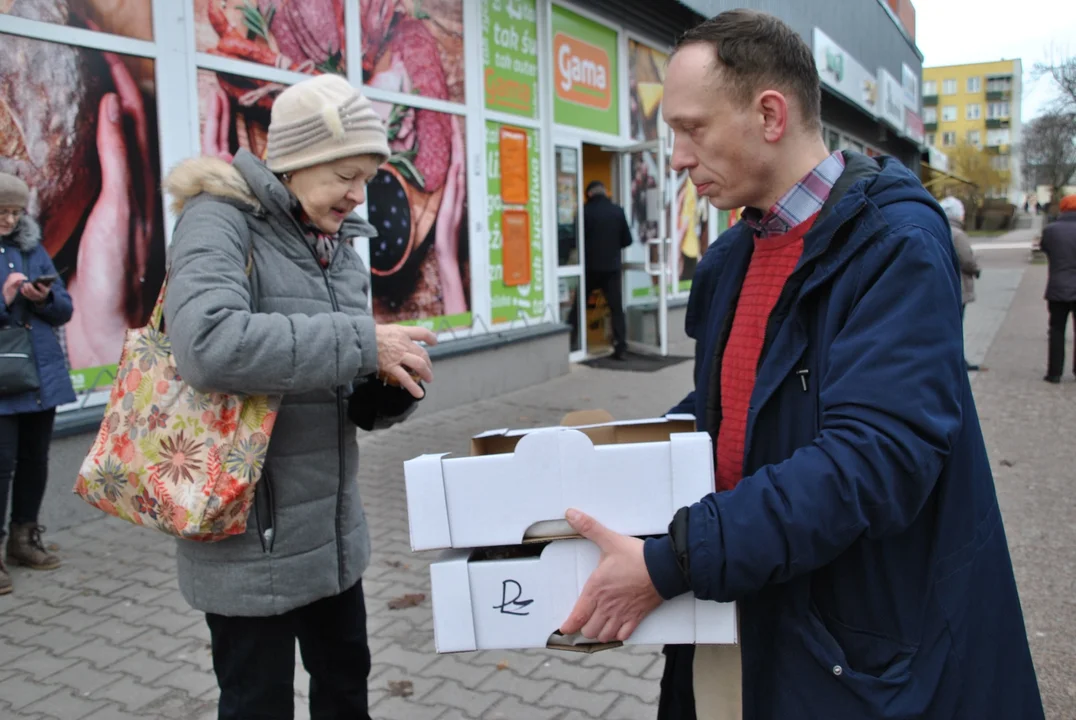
[(427, 508), (453, 618)]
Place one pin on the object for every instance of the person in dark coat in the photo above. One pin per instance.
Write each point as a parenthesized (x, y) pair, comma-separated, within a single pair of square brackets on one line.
[(33, 296), (855, 521), (1059, 246), (605, 234)]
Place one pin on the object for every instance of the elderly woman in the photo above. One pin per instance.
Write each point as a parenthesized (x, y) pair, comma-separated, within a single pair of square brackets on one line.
[(267, 296), (969, 265), (34, 297)]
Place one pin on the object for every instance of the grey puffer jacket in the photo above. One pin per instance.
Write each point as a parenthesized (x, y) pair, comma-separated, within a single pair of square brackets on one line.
[(310, 337)]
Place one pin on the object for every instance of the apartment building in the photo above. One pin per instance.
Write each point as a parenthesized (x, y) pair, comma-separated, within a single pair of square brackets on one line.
[(979, 104)]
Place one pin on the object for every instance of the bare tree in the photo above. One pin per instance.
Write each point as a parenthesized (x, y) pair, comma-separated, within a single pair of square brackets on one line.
[(1063, 72), (1049, 150)]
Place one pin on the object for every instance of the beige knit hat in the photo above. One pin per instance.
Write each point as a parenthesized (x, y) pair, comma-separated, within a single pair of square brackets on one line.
[(13, 192), (320, 120)]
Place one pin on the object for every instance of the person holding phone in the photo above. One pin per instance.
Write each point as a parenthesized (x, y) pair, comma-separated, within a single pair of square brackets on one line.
[(33, 297)]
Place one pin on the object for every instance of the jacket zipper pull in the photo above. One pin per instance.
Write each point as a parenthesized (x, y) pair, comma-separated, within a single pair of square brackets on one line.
[(803, 377)]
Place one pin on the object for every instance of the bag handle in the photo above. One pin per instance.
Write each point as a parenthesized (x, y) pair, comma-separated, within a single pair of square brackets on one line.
[(156, 318)]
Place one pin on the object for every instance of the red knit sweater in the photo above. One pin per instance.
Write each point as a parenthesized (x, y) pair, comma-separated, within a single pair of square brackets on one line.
[(772, 263)]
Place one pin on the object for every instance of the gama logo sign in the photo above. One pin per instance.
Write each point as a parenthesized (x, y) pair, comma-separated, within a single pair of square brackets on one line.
[(583, 72)]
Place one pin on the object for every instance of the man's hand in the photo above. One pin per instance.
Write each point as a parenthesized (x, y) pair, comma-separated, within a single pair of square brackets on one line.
[(619, 594)]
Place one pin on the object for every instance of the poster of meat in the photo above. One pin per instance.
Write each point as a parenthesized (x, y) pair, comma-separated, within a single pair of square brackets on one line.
[(414, 47), (233, 113), (418, 203), (304, 36), (129, 18), (646, 81), (79, 126)]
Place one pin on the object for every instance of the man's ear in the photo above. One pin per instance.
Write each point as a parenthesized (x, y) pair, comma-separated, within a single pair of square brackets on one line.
[(773, 113)]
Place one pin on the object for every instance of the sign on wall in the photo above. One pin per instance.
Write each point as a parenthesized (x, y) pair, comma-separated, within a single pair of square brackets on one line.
[(516, 284), (909, 81), (891, 100), (843, 74), (510, 56), (913, 126), (584, 73)]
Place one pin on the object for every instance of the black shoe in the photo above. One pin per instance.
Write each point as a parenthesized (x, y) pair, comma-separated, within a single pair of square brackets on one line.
[(1053, 379), (619, 354)]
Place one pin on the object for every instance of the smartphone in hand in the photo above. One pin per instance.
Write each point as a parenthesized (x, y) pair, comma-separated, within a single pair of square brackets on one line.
[(44, 281)]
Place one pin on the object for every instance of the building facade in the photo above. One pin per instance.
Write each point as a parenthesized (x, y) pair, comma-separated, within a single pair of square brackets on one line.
[(978, 104), (499, 112)]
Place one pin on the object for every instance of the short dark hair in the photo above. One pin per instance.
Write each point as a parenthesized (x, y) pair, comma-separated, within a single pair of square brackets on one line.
[(757, 50), (594, 185)]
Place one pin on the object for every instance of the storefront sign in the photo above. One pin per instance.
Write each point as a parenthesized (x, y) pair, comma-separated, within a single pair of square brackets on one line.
[(909, 81), (842, 73), (514, 170), (510, 56), (891, 104), (516, 282), (584, 73), (913, 126)]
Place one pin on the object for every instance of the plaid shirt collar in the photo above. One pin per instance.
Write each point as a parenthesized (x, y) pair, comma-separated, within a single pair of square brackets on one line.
[(801, 202)]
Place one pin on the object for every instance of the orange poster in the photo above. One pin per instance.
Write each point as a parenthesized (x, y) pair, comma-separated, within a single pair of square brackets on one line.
[(516, 235), (514, 167)]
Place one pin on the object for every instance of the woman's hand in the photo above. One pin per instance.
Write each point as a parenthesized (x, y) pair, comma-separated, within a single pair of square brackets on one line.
[(401, 357), (35, 294), (11, 286)]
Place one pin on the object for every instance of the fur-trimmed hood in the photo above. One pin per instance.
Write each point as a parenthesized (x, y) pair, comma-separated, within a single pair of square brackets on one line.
[(245, 182), (26, 236)]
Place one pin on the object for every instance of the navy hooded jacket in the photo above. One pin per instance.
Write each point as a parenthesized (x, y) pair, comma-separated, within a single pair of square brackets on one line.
[(864, 545)]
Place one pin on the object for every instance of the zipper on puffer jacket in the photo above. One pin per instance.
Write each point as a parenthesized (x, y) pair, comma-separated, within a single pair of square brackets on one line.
[(265, 517), (341, 414)]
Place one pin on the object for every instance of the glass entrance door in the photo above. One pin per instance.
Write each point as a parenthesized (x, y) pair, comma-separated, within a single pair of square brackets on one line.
[(571, 281), (647, 270)]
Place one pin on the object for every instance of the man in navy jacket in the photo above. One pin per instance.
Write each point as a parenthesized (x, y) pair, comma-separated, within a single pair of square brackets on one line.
[(855, 521)]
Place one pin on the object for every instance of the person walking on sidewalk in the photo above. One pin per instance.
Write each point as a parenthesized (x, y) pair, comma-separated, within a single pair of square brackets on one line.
[(33, 296), (855, 520), (1059, 246), (969, 266), (606, 234), (298, 326)]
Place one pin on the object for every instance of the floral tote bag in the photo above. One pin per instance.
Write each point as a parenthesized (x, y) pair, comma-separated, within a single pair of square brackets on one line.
[(170, 457)]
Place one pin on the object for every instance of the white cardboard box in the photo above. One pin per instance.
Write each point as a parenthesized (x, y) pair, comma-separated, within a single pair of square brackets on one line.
[(631, 476), (518, 603)]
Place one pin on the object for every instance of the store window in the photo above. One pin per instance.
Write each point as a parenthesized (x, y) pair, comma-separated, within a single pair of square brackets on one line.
[(833, 140), (510, 56), (974, 111), (949, 87), (975, 84), (307, 41), (949, 113), (66, 112)]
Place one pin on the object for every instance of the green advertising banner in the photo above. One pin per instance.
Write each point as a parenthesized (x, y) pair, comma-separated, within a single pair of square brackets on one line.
[(584, 73), (510, 56), (516, 281)]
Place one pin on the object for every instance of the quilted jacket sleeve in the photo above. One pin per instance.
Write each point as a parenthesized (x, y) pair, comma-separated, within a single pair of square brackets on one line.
[(220, 345)]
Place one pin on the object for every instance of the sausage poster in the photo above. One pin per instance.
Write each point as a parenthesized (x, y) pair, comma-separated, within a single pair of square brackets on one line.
[(79, 125)]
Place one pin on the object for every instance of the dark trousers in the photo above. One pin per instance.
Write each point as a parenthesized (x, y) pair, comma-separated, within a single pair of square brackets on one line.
[(24, 464), (677, 700), (254, 659), (610, 285), (1059, 318)]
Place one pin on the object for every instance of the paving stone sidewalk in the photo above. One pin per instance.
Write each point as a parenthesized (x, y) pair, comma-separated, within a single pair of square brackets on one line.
[(108, 637)]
